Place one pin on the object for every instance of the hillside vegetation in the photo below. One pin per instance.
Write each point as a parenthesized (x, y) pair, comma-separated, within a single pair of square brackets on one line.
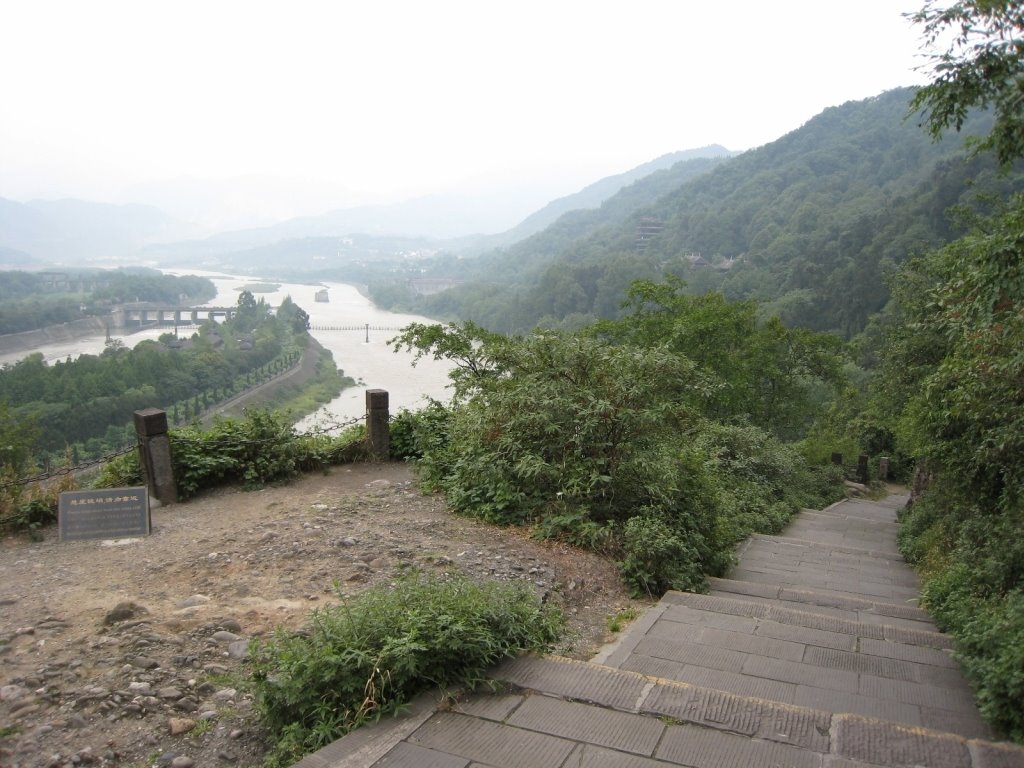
[(810, 225)]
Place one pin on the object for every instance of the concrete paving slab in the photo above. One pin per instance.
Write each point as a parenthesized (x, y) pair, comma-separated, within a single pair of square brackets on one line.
[(891, 744), (869, 617), (733, 682), (686, 615), (915, 653), (916, 637), (590, 756), (829, 658), (645, 665), (489, 706), (578, 680), (621, 731), (493, 744), (808, 636), (969, 725), (801, 674), (744, 642), (692, 653), (833, 550), (856, 704), (953, 699), (714, 709), (405, 755), (701, 748)]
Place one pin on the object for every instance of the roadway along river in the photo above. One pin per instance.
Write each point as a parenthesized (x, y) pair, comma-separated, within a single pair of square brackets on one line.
[(371, 363)]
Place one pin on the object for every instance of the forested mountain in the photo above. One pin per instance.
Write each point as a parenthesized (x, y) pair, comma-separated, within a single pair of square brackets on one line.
[(809, 225), (593, 195), (495, 279)]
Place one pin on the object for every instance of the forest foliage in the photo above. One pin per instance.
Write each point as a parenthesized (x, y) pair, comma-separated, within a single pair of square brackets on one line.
[(89, 400), (27, 301)]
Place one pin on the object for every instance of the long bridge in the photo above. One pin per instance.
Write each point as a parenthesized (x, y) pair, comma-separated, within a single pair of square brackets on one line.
[(133, 317), (365, 327)]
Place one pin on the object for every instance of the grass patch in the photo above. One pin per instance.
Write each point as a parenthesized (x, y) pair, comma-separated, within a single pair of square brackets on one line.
[(371, 654), (619, 620)]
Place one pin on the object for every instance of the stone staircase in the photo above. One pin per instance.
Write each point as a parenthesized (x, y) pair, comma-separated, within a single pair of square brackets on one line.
[(813, 653)]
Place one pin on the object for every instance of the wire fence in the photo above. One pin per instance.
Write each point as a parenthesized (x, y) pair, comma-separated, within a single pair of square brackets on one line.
[(42, 477), (64, 471)]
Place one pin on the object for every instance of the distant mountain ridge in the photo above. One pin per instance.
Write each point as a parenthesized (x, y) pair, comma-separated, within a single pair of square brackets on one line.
[(593, 195), (808, 225), (70, 231)]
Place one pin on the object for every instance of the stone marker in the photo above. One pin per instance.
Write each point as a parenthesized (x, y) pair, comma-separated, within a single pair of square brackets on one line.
[(110, 513)]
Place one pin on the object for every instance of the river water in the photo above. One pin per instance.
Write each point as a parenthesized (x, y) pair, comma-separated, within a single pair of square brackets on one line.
[(366, 357)]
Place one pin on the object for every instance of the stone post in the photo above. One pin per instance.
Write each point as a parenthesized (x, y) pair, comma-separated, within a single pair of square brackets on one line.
[(883, 468), (155, 454), (378, 429), (862, 469)]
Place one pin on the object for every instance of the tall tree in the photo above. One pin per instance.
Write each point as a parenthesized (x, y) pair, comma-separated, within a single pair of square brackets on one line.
[(982, 66)]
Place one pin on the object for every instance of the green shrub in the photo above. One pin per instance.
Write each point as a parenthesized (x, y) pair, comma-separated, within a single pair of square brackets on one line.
[(416, 434), (120, 472), (656, 558), (366, 657), (259, 448), (761, 482)]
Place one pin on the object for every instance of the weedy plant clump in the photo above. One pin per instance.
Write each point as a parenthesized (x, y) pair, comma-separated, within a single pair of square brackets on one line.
[(369, 655)]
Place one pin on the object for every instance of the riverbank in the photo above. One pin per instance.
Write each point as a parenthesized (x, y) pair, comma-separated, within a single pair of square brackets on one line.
[(291, 390), (26, 342)]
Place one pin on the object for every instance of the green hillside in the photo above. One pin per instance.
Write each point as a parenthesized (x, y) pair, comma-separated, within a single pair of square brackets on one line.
[(809, 225)]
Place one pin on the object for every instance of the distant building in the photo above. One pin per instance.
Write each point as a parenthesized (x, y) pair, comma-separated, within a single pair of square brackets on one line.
[(648, 229), (321, 296)]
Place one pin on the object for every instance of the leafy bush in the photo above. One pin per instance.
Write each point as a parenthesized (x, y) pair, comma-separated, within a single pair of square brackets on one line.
[(415, 434), (364, 658), (953, 372), (27, 507), (260, 448), (120, 472), (656, 558), (604, 447), (761, 482)]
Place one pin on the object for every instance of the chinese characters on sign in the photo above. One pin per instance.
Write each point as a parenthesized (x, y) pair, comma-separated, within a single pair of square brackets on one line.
[(111, 513)]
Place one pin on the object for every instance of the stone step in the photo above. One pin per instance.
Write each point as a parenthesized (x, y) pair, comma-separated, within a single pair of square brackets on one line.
[(885, 520), (558, 712), (835, 737), (812, 600), (803, 564), (801, 658), (844, 531), (881, 556)]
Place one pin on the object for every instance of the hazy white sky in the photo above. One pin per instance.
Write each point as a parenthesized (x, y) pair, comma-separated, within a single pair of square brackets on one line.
[(376, 100)]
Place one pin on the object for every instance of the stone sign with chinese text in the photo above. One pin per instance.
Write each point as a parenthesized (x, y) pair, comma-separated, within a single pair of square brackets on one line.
[(110, 513)]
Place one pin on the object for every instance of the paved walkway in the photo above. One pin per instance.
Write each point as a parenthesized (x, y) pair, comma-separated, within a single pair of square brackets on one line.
[(813, 654)]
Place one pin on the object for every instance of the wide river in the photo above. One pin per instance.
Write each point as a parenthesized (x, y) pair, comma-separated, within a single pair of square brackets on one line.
[(367, 358)]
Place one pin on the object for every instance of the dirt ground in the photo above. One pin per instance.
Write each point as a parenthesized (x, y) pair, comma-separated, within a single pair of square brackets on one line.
[(129, 653)]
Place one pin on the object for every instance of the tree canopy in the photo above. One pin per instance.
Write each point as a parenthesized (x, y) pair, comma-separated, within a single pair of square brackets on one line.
[(981, 66)]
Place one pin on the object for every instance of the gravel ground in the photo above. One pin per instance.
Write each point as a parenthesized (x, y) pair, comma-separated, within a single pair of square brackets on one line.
[(130, 653)]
